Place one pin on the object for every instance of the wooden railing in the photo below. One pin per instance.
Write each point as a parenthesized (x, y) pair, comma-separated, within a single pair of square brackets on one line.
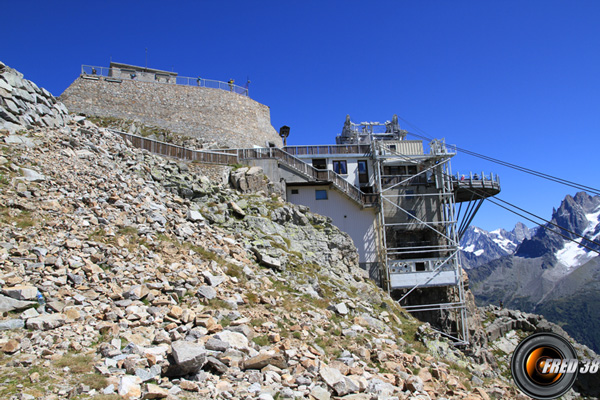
[(167, 149), (234, 156)]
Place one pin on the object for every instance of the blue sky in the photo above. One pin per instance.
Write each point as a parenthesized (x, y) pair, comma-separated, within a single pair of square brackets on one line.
[(514, 80)]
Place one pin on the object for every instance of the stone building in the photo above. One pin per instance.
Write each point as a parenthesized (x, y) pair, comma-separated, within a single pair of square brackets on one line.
[(215, 111)]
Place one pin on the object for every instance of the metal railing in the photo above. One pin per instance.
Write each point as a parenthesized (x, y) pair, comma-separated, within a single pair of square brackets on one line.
[(328, 149), (155, 76), (171, 150), (312, 173), (477, 179)]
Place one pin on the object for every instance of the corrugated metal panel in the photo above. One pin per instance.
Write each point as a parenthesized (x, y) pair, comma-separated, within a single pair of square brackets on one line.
[(410, 147)]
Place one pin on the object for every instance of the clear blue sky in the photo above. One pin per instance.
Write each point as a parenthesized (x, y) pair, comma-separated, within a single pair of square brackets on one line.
[(514, 80)]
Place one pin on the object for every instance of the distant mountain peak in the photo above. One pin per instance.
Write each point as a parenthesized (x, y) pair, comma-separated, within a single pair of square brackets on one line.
[(578, 216)]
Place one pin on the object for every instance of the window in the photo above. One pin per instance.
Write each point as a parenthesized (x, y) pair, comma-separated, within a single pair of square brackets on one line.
[(321, 194), (340, 167), (363, 172), (294, 191), (319, 163)]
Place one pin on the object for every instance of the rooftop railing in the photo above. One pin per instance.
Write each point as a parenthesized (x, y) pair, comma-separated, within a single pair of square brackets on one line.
[(328, 149), (119, 74)]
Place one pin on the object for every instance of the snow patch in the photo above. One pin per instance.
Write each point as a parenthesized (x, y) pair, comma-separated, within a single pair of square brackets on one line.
[(572, 255), (505, 244), (469, 249)]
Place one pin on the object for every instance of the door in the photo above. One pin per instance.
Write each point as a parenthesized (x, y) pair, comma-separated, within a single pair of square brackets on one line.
[(363, 172)]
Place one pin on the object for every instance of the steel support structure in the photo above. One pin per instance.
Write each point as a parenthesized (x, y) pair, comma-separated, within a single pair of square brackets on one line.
[(436, 167)]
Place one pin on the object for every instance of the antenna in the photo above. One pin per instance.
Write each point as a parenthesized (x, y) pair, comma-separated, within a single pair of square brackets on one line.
[(146, 57)]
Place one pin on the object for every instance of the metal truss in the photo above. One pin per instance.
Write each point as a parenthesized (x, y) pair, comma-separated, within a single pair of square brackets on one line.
[(444, 228)]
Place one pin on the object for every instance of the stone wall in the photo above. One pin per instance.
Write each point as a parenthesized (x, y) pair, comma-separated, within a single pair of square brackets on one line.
[(23, 104), (215, 115)]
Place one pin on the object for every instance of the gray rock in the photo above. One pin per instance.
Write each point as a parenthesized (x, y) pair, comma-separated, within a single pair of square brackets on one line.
[(215, 365), (331, 376), (21, 292), (194, 216), (18, 139), (10, 304), (380, 388), (30, 313), (320, 393), (345, 386), (12, 107), (212, 279), (207, 292), (234, 339), (187, 358), (414, 384), (216, 345), (341, 308), (32, 176), (46, 322), (267, 260), (477, 381), (8, 324), (148, 374)]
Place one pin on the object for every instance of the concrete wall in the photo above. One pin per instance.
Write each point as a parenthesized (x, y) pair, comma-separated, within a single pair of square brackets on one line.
[(359, 223), (215, 115)]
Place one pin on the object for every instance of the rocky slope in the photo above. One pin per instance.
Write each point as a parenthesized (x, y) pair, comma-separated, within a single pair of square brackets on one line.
[(505, 328), (126, 275)]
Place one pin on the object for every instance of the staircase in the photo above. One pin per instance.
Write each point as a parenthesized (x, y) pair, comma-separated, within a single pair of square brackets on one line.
[(235, 156)]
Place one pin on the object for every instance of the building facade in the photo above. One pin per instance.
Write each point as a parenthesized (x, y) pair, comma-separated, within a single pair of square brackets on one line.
[(397, 200)]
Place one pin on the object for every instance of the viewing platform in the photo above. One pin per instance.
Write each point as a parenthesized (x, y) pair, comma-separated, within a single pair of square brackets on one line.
[(118, 72), (475, 186)]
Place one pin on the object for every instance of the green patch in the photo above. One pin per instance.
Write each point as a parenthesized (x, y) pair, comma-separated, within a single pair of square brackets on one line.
[(20, 218), (4, 180), (94, 381), (262, 340), (257, 322), (237, 166), (77, 363)]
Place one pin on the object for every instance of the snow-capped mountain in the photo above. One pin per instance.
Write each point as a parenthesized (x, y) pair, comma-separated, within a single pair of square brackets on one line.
[(478, 246), (578, 217), (553, 274)]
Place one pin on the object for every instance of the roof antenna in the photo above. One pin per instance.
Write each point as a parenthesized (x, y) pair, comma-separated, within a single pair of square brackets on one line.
[(146, 58)]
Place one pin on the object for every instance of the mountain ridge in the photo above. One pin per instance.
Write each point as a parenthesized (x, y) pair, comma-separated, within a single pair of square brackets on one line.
[(545, 272)]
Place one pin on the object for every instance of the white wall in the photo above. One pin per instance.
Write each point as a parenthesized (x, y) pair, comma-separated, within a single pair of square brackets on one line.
[(359, 223)]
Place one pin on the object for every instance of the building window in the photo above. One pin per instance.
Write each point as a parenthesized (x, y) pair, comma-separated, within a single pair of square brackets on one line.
[(319, 163), (363, 172), (321, 194), (294, 191), (340, 167)]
